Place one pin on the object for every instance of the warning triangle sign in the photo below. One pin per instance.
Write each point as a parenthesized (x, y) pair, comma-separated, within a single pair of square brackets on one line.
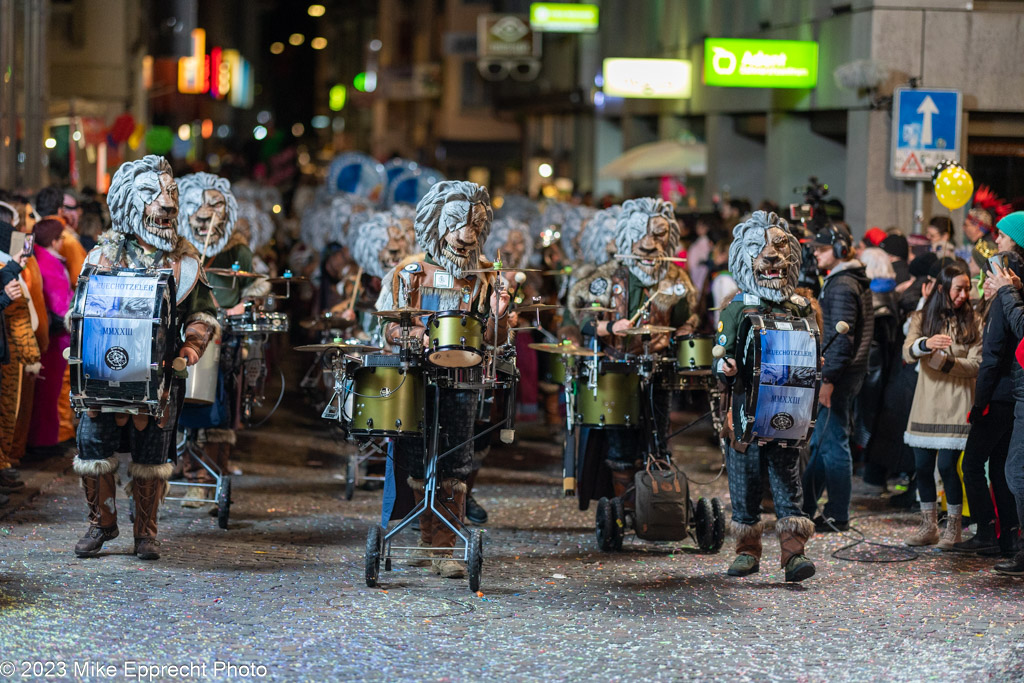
[(912, 165)]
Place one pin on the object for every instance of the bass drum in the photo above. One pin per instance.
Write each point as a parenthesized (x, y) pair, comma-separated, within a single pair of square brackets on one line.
[(387, 399), (614, 403)]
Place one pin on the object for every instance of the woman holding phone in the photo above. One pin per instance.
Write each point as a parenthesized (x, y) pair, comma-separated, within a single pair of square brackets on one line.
[(945, 339)]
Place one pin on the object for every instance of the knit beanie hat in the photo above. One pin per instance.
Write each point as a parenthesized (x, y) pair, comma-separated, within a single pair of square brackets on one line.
[(896, 245), (1012, 226), (921, 265)]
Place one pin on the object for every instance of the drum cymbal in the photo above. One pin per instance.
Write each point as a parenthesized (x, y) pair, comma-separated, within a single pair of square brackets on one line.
[(632, 257), (326, 323), (564, 349), (481, 271), (228, 272), (279, 280), (596, 309), (648, 329), (341, 346), (561, 271), (523, 329), (397, 313), (531, 308)]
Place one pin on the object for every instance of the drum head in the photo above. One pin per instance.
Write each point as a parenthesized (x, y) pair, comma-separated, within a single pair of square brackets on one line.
[(455, 357)]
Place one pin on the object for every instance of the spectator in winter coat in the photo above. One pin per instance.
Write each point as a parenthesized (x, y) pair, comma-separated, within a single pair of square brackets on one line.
[(845, 296)]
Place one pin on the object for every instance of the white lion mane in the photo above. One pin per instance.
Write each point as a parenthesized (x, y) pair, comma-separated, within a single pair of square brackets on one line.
[(600, 230), (190, 197), (428, 215), (748, 241), (632, 226), (368, 239), (501, 228), (127, 203)]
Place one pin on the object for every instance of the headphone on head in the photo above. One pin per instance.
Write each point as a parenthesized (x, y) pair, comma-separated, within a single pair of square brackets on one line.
[(842, 245)]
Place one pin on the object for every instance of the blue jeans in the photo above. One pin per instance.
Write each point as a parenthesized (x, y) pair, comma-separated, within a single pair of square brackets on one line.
[(1015, 460), (745, 490), (831, 465)]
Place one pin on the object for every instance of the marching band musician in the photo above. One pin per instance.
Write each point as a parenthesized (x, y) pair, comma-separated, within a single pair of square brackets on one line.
[(143, 202), (452, 222), (207, 220), (764, 259), (645, 287)]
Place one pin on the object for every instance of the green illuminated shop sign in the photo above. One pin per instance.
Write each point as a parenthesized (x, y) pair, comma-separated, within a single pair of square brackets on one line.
[(563, 17), (743, 63)]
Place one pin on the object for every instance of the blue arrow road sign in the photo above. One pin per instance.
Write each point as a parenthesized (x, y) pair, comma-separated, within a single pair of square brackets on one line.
[(925, 130)]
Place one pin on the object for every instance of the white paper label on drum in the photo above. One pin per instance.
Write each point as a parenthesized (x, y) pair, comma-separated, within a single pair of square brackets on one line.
[(110, 296), (785, 398), (443, 280), (116, 349)]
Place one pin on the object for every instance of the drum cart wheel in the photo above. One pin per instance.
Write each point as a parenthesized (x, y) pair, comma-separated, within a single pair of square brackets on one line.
[(718, 525), (373, 556), (604, 523), (618, 523), (704, 525), (475, 561), (223, 501), (351, 472)]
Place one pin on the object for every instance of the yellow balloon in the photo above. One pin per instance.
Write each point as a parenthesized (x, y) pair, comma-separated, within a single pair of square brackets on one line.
[(954, 187)]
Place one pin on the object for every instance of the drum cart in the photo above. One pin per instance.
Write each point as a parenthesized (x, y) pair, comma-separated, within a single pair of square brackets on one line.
[(221, 481)]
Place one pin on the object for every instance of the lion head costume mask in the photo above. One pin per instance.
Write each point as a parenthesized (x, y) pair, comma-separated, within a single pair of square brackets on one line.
[(381, 244), (647, 230), (765, 257), (208, 212), (143, 201), (510, 240), (598, 243), (452, 223)]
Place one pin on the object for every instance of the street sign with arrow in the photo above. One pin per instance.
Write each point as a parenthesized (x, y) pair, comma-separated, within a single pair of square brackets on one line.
[(925, 130)]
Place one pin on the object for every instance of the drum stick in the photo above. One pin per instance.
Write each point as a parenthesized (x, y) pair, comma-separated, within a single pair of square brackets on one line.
[(639, 312), (206, 243), (355, 288)]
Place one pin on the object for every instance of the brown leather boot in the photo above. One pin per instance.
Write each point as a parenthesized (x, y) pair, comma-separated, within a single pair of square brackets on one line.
[(426, 525), (452, 501), (100, 485), (622, 480), (148, 488), (748, 549), (794, 533)]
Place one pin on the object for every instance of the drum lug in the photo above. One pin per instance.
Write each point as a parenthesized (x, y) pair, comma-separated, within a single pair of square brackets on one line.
[(369, 423), (398, 423)]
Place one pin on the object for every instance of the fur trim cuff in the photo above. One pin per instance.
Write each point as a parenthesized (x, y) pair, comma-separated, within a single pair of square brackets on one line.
[(221, 436), (952, 443), (258, 288), (207, 320), (416, 484), (454, 485), (743, 531), (142, 472), (801, 526), (94, 468)]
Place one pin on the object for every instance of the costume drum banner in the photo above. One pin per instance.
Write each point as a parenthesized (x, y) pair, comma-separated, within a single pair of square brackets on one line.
[(783, 398)]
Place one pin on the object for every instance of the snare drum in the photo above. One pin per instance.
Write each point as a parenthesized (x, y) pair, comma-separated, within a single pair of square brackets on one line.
[(387, 399), (615, 403), (121, 344), (669, 377), (456, 339), (201, 385), (257, 321), (693, 353)]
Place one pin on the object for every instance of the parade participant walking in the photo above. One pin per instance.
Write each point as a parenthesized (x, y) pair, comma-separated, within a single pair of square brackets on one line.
[(452, 223), (845, 296), (764, 259), (143, 201), (946, 336), (207, 220)]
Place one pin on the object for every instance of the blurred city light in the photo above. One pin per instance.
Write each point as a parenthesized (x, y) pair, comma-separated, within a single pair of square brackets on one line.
[(321, 121), (184, 132), (76, 136), (223, 130), (263, 116), (298, 129), (318, 43), (207, 128), (296, 39), (376, 45), (365, 81), (336, 97), (276, 48), (545, 170), (277, 208), (50, 143), (316, 10), (259, 132)]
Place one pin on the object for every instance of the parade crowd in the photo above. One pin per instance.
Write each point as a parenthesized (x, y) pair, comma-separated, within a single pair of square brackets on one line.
[(921, 396)]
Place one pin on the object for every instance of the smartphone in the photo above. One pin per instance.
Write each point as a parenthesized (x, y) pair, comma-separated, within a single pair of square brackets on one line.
[(998, 260), (28, 249)]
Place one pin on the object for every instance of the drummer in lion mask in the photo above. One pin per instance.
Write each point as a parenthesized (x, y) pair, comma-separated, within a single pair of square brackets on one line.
[(143, 201), (207, 220), (644, 287), (452, 223), (765, 261)]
